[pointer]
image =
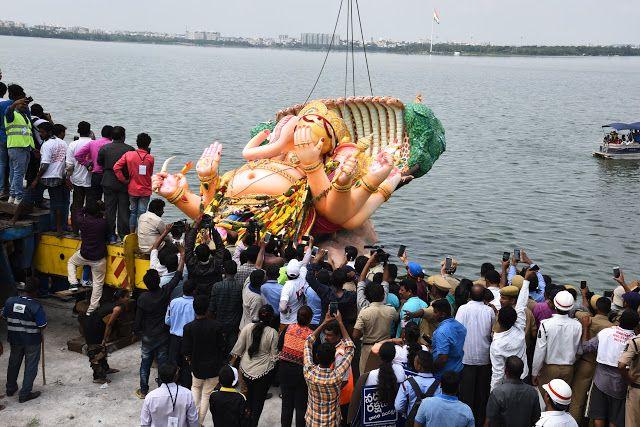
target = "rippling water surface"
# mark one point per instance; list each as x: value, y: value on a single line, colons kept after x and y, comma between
x: 517, y: 171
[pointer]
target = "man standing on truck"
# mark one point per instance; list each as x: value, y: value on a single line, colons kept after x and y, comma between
x: 94, y: 232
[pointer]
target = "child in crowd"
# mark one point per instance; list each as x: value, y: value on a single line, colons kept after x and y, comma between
x: 228, y: 405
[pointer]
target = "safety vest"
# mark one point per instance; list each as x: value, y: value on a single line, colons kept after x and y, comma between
x: 19, y: 132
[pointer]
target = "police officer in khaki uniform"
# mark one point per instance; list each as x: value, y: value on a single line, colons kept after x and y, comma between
x: 629, y: 366
x: 586, y: 365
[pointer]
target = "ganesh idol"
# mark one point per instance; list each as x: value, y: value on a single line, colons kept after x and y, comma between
x: 318, y: 168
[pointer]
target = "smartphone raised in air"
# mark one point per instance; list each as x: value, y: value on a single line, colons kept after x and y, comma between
x: 448, y: 263
x: 267, y: 236
x: 505, y: 256
x: 333, y: 308
x: 616, y: 272
x: 401, y: 250
x: 516, y: 254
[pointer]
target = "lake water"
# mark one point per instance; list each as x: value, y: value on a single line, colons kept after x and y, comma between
x: 517, y: 171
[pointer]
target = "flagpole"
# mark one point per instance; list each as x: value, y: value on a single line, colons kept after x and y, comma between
x: 431, y: 44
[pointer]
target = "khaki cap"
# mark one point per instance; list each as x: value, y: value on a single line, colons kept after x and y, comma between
x: 593, y: 300
x: 439, y: 282
x: 517, y: 281
x: 510, y: 291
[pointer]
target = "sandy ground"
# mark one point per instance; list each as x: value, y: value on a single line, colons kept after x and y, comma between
x: 70, y: 398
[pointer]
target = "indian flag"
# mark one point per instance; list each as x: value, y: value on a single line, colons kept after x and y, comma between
x: 436, y: 16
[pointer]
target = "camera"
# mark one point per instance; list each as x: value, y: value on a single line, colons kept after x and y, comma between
x: 206, y: 221
x: 381, y: 255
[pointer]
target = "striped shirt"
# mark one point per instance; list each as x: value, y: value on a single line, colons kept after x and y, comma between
x: 324, y: 385
x: 478, y: 318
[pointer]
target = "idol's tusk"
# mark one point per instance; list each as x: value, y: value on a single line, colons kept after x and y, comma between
x: 165, y: 165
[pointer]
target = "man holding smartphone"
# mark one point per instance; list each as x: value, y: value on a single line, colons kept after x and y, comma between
x: 521, y: 256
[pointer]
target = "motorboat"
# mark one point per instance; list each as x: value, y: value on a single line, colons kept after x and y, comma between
x: 620, y: 141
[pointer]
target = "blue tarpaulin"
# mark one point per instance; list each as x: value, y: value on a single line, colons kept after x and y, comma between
x: 623, y: 126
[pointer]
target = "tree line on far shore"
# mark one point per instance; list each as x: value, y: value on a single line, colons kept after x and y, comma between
x: 408, y: 48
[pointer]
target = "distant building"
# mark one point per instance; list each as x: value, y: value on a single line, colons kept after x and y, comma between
x: 318, y: 39
x: 80, y: 30
x: 12, y: 24
x: 203, y: 35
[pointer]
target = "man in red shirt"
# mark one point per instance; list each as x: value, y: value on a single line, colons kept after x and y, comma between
x: 135, y: 169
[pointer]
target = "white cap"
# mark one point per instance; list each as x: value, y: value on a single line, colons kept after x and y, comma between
x: 235, y: 376
x: 559, y: 391
x: 293, y: 268
x: 38, y: 122
x: 563, y: 301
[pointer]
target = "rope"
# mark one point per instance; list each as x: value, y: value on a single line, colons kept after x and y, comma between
x: 353, y: 61
x: 364, y: 48
x: 327, y: 55
x: 346, y: 58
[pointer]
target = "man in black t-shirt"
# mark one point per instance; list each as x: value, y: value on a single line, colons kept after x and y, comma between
x: 97, y: 330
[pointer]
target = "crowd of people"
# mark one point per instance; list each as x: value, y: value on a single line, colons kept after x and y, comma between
x: 33, y: 150
x: 358, y: 341
x: 614, y: 137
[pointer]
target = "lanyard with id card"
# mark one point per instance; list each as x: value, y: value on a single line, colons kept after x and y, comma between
x: 172, y: 421
x: 142, y: 168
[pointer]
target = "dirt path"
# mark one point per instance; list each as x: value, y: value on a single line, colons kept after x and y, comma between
x: 70, y: 398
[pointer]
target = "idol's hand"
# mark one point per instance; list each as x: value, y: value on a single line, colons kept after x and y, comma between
x: 309, y: 152
x: 283, y: 132
x: 168, y: 185
x: 381, y: 167
x: 346, y: 171
x: 207, y: 166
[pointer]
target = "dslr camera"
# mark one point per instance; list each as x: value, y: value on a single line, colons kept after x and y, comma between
x: 206, y: 221
x: 381, y: 255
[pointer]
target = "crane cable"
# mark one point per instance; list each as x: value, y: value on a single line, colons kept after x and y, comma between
x: 349, y: 44
x: 327, y: 55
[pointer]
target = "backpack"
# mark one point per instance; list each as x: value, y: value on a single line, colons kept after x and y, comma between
x: 411, y: 416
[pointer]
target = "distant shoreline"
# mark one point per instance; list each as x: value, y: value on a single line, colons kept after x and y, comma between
x: 447, y: 49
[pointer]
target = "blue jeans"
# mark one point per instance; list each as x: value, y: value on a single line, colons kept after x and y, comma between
x: 31, y: 354
x: 4, y: 164
x: 137, y: 206
x: 18, y: 161
x: 157, y: 347
x: 59, y: 202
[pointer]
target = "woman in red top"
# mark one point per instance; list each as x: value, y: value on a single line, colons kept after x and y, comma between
x: 292, y: 382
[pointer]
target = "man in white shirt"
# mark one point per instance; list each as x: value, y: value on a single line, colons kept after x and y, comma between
x: 478, y: 318
x: 170, y: 405
x: 492, y: 279
x: 557, y: 398
x: 252, y: 299
x: 51, y: 174
x: 151, y: 226
x: 293, y: 291
x: 510, y: 341
x: 78, y: 174
x: 609, y: 390
x: 557, y: 344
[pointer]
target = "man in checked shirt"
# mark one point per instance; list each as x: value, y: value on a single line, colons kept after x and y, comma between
x: 323, y: 381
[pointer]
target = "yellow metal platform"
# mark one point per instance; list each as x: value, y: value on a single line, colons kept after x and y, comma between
x: 125, y: 266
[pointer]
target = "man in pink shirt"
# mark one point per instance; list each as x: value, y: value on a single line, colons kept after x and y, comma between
x: 88, y: 156
x: 135, y: 169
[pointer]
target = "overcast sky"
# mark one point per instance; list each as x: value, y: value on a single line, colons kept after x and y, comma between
x: 495, y: 21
